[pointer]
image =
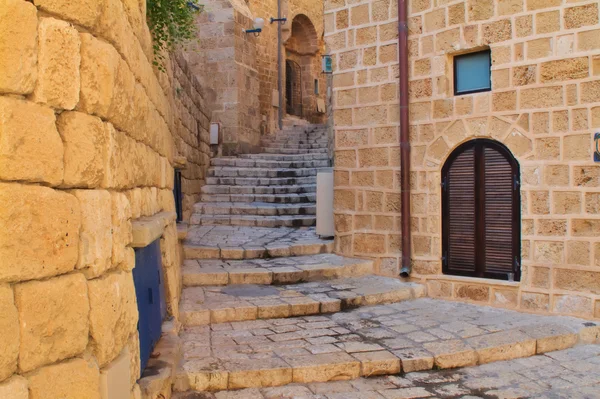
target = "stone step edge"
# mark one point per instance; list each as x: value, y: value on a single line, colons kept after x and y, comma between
x: 256, y: 252
x: 263, y: 275
x: 344, y: 366
x: 304, y: 305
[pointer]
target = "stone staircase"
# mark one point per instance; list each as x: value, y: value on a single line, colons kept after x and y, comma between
x: 252, y: 255
x: 266, y: 304
x: 272, y: 189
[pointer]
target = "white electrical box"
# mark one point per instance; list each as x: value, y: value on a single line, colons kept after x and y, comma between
x: 215, y: 129
x: 325, y: 226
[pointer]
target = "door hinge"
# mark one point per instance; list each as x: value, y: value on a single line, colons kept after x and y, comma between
x: 445, y: 258
x: 516, y: 182
x: 444, y: 183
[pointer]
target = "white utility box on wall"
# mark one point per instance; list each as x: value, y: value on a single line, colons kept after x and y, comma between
x: 325, y: 227
x: 215, y: 128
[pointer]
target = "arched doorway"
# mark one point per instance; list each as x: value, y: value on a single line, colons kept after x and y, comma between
x: 293, y: 88
x: 302, y: 68
x: 481, y: 211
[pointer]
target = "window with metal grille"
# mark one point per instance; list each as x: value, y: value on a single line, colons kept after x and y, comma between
x: 472, y: 72
x: 481, y: 212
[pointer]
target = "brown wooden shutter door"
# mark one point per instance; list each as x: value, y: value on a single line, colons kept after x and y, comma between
x: 481, y: 214
x: 460, y: 208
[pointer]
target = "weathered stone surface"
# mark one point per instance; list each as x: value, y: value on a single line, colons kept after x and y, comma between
x: 113, y: 314
x: 74, y: 379
x: 41, y: 232
x: 9, y: 333
x: 31, y: 148
x: 85, y: 149
x: 121, y: 227
x: 95, y: 240
x: 53, y: 315
x: 14, y: 388
x: 58, y: 59
x: 18, y: 46
x: 82, y: 12
x: 99, y: 61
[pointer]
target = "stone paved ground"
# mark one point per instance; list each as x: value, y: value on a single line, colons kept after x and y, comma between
x: 410, y: 336
x: 568, y: 374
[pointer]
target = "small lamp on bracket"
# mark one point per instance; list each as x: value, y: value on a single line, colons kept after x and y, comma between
x: 280, y: 20
x: 256, y: 26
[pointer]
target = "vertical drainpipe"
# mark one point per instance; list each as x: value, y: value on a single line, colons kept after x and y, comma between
x: 404, y: 138
x: 279, y: 74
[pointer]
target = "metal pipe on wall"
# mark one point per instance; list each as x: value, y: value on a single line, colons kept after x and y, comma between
x: 279, y: 74
x: 404, y: 137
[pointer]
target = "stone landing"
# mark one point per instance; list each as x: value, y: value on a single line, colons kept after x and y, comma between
x: 410, y: 336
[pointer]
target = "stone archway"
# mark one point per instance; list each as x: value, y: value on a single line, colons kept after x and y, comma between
x: 303, y: 63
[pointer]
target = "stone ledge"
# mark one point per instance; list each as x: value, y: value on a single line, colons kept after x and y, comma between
x: 471, y: 280
x: 157, y: 377
x: 149, y: 228
x: 182, y: 230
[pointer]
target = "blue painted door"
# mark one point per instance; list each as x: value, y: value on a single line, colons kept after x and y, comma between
x: 149, y: 288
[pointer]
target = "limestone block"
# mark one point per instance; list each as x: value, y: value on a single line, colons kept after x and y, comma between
x: 9, y: 335
x: 58, y: 64
x: 95, y: 239
x: 42, y: 227
x: 113, y: 314
x: 99, y: 61
x: 121, y: 227
x: 14, y: 388
x: 576, y: 17
x: 480, y: 9
x: 82, y: 12
x: 53, y: 315
x: 31, y: 148
x: 565, y: 69
x: 74, y: 379
x: 115, y: 378
x: 18, y: 46
x: 133, y: 346
x: 85, y: 149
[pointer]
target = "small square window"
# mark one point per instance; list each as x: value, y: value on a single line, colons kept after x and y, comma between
x: 472, y: 72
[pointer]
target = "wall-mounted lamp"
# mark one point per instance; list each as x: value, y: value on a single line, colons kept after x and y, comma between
x: 256, y: 27
x: 280, y: 20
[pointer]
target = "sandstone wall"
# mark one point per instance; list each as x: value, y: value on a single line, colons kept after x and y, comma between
x: 89, y: 133
x: 544, y: 106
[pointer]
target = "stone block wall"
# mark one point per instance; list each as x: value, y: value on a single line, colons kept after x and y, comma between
x: 544, y: 107
x: 89, y: 133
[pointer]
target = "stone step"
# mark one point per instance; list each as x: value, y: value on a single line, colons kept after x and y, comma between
x: 262, y: 181
x: 270, y: 198
x: 254, y: 208
x: 227, y: 171
x: 241, y: 242
x: 292, y: 151
x: 285, y: 157
x: 299, y: 146
x: 253, y: 220
x: 259, y: 190
x: 261, y: 163
x: 224, y: 304
x: 289, y: 270
x: 409, y: 336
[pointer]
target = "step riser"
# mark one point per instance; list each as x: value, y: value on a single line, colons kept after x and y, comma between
x: 250, y: 190
x: 200, y: 252
x: 238, y: 172
x: 251, y: 221
x: 216, y: 209
x: 249, y: 181
x: 293, y: 151
x: 284, y: 157
x: 246, y: 163
x: 286, y: 199
x: 194, y: 275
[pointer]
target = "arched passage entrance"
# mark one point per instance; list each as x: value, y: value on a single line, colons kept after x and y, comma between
x: 302, y: 73
x: 481, y: 211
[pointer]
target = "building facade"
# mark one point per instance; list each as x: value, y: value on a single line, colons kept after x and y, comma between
x: 537, y: 116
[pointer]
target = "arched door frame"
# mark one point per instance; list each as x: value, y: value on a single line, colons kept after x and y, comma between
x: 294, y: 101
x: 478, y: 145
